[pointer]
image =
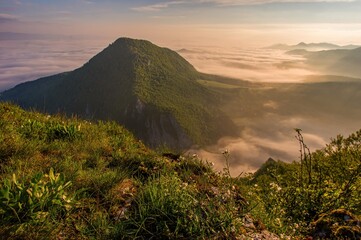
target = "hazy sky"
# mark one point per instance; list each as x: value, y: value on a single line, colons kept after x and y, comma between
x: 212, y: 22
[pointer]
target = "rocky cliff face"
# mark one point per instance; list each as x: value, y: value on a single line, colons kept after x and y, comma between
x: 159, y: 128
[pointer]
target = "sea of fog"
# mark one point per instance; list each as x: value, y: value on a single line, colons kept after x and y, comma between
x: 260, y: 138
x: 273, y: 134
x: 26, y: 60
x: 255, y: 64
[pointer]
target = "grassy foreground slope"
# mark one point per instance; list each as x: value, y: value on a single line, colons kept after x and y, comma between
x: 64, y: 178
x: 71, y: 179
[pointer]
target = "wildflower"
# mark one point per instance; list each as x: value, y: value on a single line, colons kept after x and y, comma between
x: 225, y: 152
x: 275, y: 186
x: 278, y: 221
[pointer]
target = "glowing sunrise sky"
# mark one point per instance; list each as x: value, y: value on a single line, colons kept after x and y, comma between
x: 235, y: 22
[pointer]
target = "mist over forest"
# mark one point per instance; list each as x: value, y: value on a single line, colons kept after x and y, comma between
x: 290, y: 90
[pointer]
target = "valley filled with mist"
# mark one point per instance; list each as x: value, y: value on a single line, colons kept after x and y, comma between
x: 276, y: 89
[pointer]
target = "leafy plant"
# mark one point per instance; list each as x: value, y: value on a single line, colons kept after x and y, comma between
x: 49, y: 130
x: 63, y: 132
x: 43, y: 197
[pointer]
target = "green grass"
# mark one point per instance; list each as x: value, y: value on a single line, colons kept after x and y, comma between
x: 68, y: 178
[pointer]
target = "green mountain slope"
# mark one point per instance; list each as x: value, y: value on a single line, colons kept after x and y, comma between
x: 151, y: 90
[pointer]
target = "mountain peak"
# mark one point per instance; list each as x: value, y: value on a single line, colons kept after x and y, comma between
x: 127, y: 40
x: 151, y: 90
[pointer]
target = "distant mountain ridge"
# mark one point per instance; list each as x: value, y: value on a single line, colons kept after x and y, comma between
x: 152, y: 91
x: 344, y: 62
x: 312, y: 46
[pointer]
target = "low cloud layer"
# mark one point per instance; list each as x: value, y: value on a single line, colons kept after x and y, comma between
x: 272, y: 136
x: 28, y: 60
x: 258, y: 65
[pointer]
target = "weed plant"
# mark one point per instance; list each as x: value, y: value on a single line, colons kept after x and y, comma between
x: 289, y: 198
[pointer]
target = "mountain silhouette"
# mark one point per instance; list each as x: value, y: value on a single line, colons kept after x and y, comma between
x: 340, y: 62
x: 152, y: 91
x: 312, y: 46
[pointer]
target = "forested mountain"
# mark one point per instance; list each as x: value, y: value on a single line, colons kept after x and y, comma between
x: 151, y: 90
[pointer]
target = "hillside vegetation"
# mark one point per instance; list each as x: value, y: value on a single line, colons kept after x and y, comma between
x: 72, y: 179
x: 318, y: 195
x: 64, y: 178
